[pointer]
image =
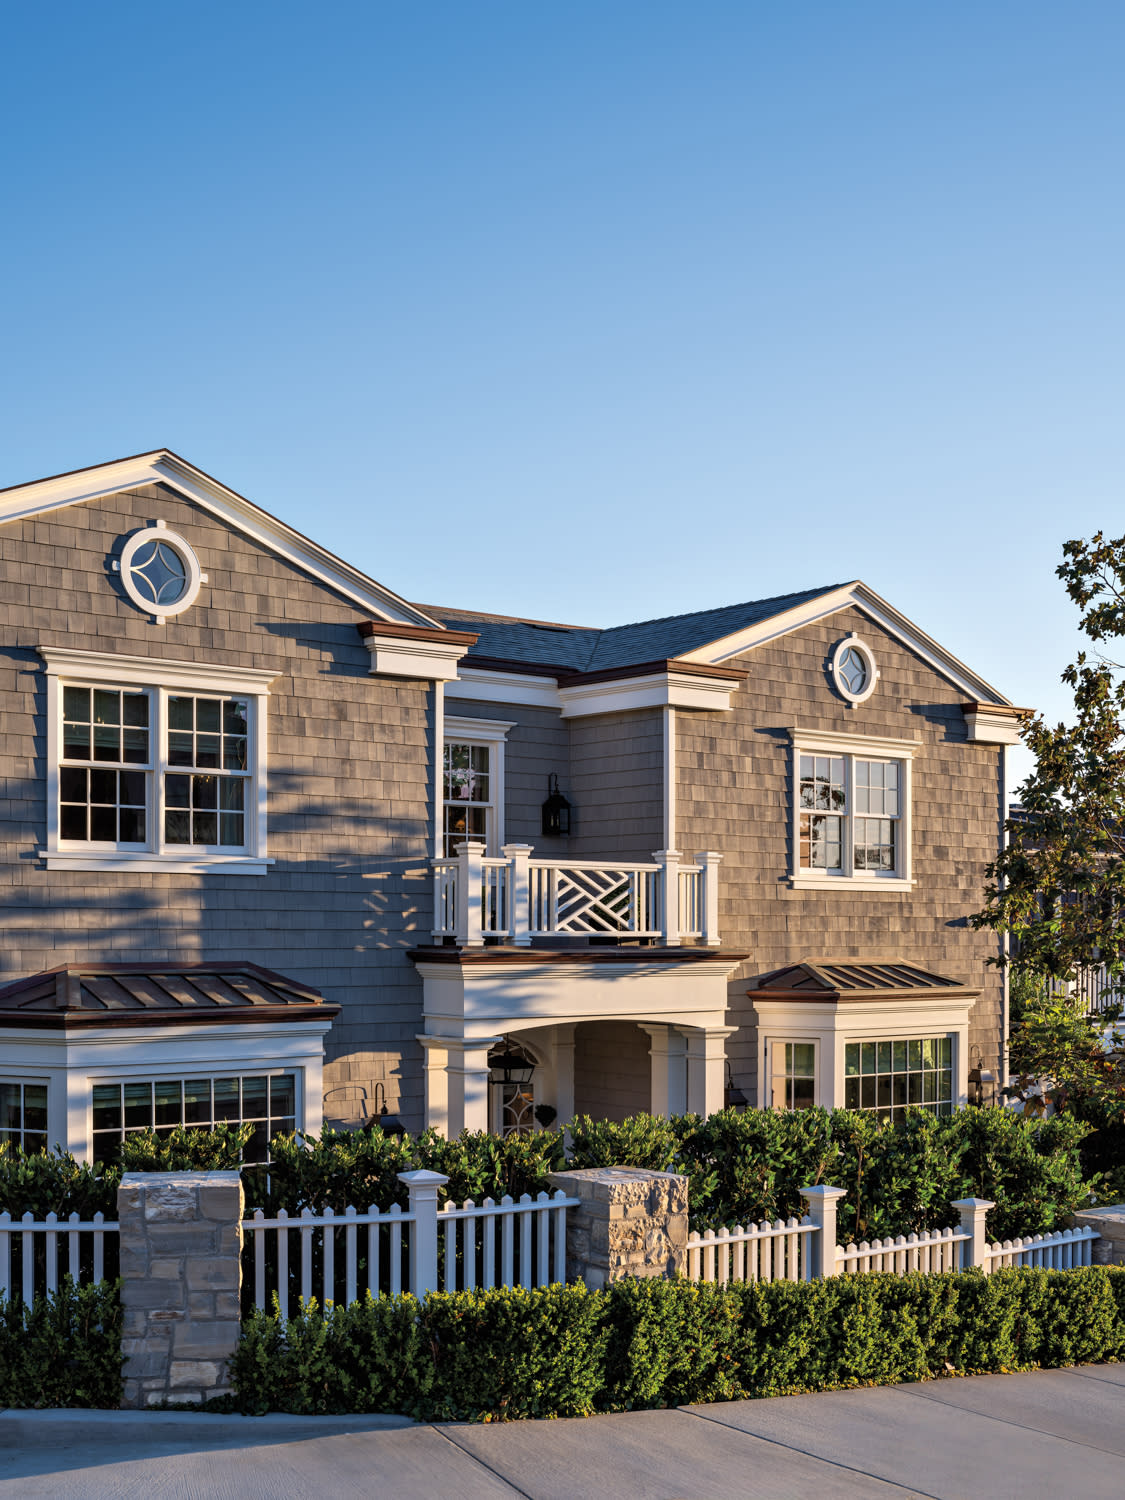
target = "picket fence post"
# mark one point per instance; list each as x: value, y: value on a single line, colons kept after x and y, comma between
x: 822, y: 1203
x: 423, y: 1189
x: 974, y: 1250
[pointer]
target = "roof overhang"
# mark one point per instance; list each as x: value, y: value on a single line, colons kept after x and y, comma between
x: 994, y: 723
x: 669, y: 682
x: 162, y: 466
x: 855, y: 595
x: 414, y: 651
x: 854, y: 981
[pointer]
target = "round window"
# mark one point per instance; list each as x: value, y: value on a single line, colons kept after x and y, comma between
x: 160, y: 572
x: 853, y: 670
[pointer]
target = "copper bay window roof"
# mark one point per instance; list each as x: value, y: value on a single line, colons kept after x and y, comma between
x: 148, y: 994
x: 847, y: 979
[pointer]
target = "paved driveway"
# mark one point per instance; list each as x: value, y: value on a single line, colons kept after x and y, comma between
x: 1024, y: 1436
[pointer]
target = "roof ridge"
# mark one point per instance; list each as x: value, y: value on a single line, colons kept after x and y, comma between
x: 719, y: 608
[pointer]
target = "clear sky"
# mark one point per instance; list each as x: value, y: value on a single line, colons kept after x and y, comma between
x: 593, y: 311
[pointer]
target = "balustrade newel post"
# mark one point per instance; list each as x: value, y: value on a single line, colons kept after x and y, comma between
x: 470, y: 894
x: 708, y: 863
x: 974, y: 1250
x: 669, y: 862
x: 423, y: 1189
x: 519, y: 894
x: 822, y: 1204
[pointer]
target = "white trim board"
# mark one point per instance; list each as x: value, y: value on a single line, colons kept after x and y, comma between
x: 851, y: 595
x: 164, y: 467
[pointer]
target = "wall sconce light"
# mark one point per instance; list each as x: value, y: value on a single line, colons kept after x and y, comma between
x: 979, y: 1078
x: 556, y: 811
x: 390, y: 1124
x: 733, y: 1097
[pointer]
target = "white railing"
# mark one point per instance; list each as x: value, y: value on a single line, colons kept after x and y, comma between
x: 341, y: 1257
x: 40, y: 1262
x: 932, y: 1250
x: 1064, y: 1251
x: 1097, y: 988
x: 519, y: 898
x: 482, y: 1238
x: 756, y: 1252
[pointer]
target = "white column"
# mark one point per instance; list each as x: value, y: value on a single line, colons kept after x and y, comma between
x: 973, y: 1212
x: 423, y: 1189
x: 563, y: 1048
x: 668, y: 1054
x: 519, y: 909
x: 706, y: 1067
x: 669, y: 777
x: 709, y: 863
x: 467, y: 1071
x: 470, y: 872
x: 439, y: 769
x: 435, y: 1081
x: 669, y: 860
x: 822, y: 1204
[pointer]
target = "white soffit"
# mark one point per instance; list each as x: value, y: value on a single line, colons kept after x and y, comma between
x: 164, y: 467
x: 660, y: 689
x: 850, y: 595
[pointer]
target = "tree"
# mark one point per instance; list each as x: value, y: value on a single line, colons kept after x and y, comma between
x: 1058, y: 888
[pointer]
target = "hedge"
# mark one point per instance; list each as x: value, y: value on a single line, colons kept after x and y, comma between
x: 565, y: 1351
x: 64, y: 1349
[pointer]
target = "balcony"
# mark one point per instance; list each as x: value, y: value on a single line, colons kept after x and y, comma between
x: 518, y: 900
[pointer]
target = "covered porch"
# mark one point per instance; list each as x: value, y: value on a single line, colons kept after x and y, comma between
x: 605, y: 1031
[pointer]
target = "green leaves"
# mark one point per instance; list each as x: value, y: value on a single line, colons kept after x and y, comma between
x: 64, y: 1349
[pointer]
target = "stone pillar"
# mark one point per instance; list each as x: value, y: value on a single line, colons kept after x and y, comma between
x: 1109, y: 1221
x: 668, y: 1054
x: 181, y: 1246
x: 629, y: 1222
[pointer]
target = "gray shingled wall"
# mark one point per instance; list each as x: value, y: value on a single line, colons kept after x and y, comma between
x: 350, y: 821
x: 734, y: 793
x: 617, y: 775
x: 612, y: 1070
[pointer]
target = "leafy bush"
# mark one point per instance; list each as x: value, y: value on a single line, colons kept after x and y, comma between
x: 899, y: 1178
x: 64, y: 1349
x: 186, y: 1148
x: 565, y: 1351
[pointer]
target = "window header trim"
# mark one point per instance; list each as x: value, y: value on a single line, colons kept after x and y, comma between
x: 155, y: 671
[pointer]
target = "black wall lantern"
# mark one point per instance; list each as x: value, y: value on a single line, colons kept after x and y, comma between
x: 979, y: 1078
x: 390, y: 1124
x: 556, y: 811
x: 733, y: 1097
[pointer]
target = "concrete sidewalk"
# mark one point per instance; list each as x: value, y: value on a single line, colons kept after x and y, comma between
x: 1051, y: 1432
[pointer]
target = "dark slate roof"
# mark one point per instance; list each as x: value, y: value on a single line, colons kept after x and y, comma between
x: 158, y: 995
x: 822, y: 979
x: 578, y: 648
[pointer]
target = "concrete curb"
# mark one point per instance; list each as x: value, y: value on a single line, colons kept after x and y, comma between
x: 19, y: 1428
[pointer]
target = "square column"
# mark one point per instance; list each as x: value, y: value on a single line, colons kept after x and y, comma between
x: 706, y: 1067
x: 467, y: 1075
x: 435, y: 1083
x: 668, y: 1053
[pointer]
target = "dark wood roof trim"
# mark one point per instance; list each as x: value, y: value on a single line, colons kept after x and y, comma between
x: 507, y: 955
x: 650, y: 668
x: 80, y: 1019
x: 516, y: 668
x: 464, y: 638
x: 1002, y: 710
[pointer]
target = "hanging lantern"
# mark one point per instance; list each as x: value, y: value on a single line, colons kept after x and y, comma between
x: 556, y: 811
x: 733, y: 1097
x: 513, y: 1064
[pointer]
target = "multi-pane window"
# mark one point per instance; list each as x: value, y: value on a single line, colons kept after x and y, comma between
x: 268, y: 1101
x: 205, y: 803
x: 889, y: 1077
x: 23, y: 1115
x: 467, y: 795
x: 145, y: 769
x: 793, y: 1085
x: 106, y: 766
x: 850, y: 815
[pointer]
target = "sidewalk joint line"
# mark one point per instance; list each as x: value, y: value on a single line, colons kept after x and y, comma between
x: 910, y: 1490
x: 503, y: 1478
x: 1007, y: 1421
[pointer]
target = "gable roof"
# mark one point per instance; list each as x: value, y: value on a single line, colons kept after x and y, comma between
x: 162, y: 466
x: 710, y: 637
x: 153, y: 994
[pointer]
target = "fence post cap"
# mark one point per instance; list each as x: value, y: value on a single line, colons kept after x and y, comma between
x: 422, y: 1178
x: 823, y: 1192
x: 972, y: 1203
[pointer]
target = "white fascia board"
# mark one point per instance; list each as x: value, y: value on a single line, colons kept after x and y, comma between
x: 662, y: 689
x: 992, y: 729
x: 459, y: 727
x: 859, y: 596
x: 393, y: 656
x: 144, y: 671
x: 141, y: 1050
x: 162, y: 467
x: 479, y: 685
x: 894, y: 1017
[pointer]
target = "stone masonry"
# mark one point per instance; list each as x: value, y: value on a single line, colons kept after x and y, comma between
x: 630, y: 1222
x: 181, y: 1243
x: 1109, y: 1221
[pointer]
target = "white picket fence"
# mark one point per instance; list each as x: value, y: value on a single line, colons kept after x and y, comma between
x: 1064, y: 1251
x: 41, y: 1261
x: 341, y: 1257
x: 932, y: 1250
x: 754, y: 1252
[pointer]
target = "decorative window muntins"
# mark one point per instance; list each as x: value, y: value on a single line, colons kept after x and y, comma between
x: 159, y: 572
x: 23, y: 1114
x: 889, y: 1077
x: 853, y: 670
x: 793, y: 1075
x: 468, y: 802
x: 851, y: 809
x: 145, y: 773
x: 268, y: 1101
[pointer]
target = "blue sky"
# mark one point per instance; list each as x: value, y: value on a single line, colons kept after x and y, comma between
x: 593, y: 312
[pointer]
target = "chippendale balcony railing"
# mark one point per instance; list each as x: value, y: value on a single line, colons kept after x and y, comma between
x: 517, y: 898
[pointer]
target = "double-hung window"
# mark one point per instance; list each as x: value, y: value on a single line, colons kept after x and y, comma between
x: 155, y: 765
x: 472, y: 786
x: 851, y: 800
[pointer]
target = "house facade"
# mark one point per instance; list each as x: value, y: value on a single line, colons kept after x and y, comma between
x: 273, y: 830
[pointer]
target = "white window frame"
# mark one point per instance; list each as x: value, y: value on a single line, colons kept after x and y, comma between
x: 161, y: 679
x: 492, y: 734
x: 773, y: 1044
x: 851, y: 747
x: 861, y: 648
x: 181, y: 1073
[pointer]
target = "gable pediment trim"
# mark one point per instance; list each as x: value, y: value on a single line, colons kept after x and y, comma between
x: 164, y: 467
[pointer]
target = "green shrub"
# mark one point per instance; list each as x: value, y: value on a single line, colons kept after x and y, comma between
x: 564, y: 1351
x: 64, y: 1349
